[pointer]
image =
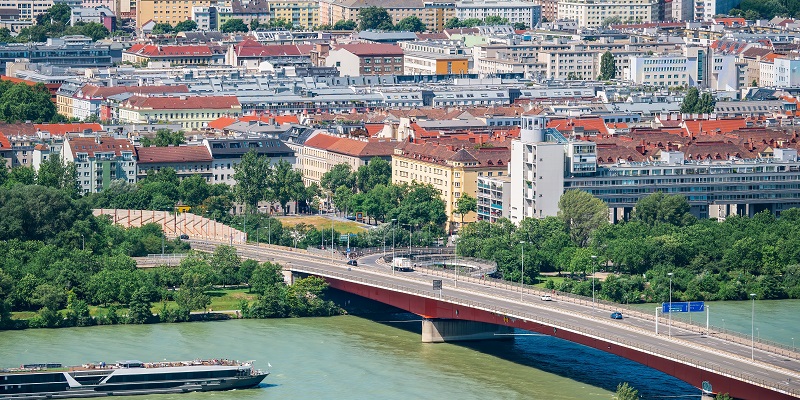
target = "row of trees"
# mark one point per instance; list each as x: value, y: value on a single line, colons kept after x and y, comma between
x: 55, y: 23
x: 20, y: 102
x: 491, y: 20
x: 694, y: 103
x: 754, y: 9
x: 710, y: 260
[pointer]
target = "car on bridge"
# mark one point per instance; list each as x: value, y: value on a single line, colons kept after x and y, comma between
x: 352, y: 262
x: 616, y: 315
x: 184, y: 237
x: 546, y: 297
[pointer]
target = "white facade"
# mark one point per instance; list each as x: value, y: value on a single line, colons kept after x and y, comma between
x: 87, y: 15
x: 592, y: 13
x: 766, y: 73
x: 787, y: 72
x: 28, y: 9
x: 525, y: 12
x: 536, y: 167
x: 682, y: 10
x: 573, y: 65
x: 346, y: 62
x: 663, y: 71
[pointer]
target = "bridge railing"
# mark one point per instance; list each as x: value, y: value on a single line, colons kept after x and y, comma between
x: 602, y: 335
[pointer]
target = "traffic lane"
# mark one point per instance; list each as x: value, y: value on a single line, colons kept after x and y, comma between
x: 498, y: 299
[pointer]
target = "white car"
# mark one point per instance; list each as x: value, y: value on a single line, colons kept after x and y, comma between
x: 546, y: 297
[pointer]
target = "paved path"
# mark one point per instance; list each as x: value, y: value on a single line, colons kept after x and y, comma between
x: 773, y: 367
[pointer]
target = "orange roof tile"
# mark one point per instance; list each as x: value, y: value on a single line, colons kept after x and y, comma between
x: 172, y: 154
x: 695, y: 127
x: 4, y: 143
x: 63, y: 129
x: 588, y: 124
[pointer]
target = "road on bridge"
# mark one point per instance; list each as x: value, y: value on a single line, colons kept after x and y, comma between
x: 777, y: 370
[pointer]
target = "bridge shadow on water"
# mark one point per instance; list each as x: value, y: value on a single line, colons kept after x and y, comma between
x: 545, y: 353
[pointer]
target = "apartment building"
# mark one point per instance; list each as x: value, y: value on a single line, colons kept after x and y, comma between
x: 593, y: 13
x: 494, y: 197
x: 166, y: 11
x: 74, y: 51
x: 186, y: 161
x: 523, y: 12
x: 435, y: 64
x: 434, y: 14
x: 784, y: 72
x: 191, y: 112
x: 322, y: 152
x: 86, y: 101
x: 226, y: 153
x: 302, y: 13
x: 28, y: 9
x: 196, y: 54
x: 569, y: 64
x: 366, y: 59
x: 100, y: 160
x: 663, y: 70
x: 453, y: 171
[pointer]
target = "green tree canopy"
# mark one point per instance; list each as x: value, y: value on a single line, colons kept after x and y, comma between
x: 285, y: 184
x: 21, y: 102
x: 163, y: 138
x: 186, y: 26
x: 374, y: 18
x: 495, y: 20
x: 465, y: 205
x: 410, y: 24
x: 582, y: 213
x: 608, y: 66
x: 251, y: 176
x: 339, y: 175
x: 162, y: 28
x: 661, y: 208
x: 345, y: 25
x: 626, y: 392
x: 234, y: 25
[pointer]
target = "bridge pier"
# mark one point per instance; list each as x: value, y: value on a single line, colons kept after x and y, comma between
x: 288, y: 276
x: 456, y: 330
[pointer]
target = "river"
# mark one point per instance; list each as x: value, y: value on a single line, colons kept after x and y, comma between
x: 350, y: 357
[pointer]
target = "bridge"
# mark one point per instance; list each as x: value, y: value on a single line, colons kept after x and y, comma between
x: 470, y: 308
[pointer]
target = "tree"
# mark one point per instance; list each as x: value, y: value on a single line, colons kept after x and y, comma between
x: 94, y: 30
x: 693, y: 103
x: 55, y: 174
x: 520, y: 26
x: 162, y: 28
x: 284, y: 184
x: 251, y: 175
x: 582, y: 213
x: 234, y: 25
x: 626, y: 392
x: 465, y: 205
x: 265, y: 278
x: 345, y: 25
x: 339, y: 175
x: 139, y: 307
x: 452, y: 23
x: 194, y: 190
x: 227, y: 262
x: 420, y: 205
x: 661, y: 208
x: 59, y: 13
x: 376, y: 172
x: 608, y: 21
x: 163, y: 138
x: 374, y: 18
x: 410, y: 24
x: 186, y: 26
x: 20, y: 102
x: 706, y: 104
x: 608, y: 67
x: 495, y: 20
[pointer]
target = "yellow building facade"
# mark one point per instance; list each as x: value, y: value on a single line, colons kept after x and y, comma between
x: 453, y: 172
x: 433, y: 14
x: 166, y: 11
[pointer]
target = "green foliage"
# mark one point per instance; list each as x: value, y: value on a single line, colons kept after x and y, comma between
x: 608, y: 21
x: 186, y: 26
x: 374, y: 18
x: 345, y: 25
x: 660, y: 208
x: 608, y: 67
x: 234, y: 25
x: 37, y: 212
x: 473, y: 22
x: 164, y: 138
x: 752, y: 9
x: 339, y: 175
x: 582, y: 213
x: 21, y: 102
x: 495, y: 20
x: 376, y: 172
x: 55, y: 174
x: 284, y: 184
x: 693, y: 103
x: 139, y: 307
x: 626, y: 392
x: 465, y: 205
x: 410, y: 24
x: 162, y: 28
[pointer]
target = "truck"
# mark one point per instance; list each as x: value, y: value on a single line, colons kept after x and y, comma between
x: 402, y: 264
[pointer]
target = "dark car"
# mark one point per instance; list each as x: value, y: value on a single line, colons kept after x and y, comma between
x: 184, y: 237
x: 353, y: 263
x: 616, y: 315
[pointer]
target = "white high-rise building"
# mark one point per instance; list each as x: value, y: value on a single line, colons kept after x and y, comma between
x: 594, y: 13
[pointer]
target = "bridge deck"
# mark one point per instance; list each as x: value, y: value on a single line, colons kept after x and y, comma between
x: 723, y: 355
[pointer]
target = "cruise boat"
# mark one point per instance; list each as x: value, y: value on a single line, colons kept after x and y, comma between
x: 54, y: 381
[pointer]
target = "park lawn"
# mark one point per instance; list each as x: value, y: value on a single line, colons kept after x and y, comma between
x: 322, y: 223
x: 543, y: 280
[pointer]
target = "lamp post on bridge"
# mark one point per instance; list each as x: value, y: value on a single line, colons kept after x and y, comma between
x: 522, y: 272
x: 752, y: 327
x: 594, y: 261
x: 670, y: 303
x: 392, y: 264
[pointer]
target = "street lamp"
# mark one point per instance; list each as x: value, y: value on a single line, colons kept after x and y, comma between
x: 83, y: 242
x: 752, y: 328
x: 522, y: 274
x: 269, y: 230
x: 594, y: 261
x: 670, y: 303
x: 392, y: 265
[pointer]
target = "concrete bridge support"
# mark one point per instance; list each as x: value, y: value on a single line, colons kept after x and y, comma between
x: 455, y: 330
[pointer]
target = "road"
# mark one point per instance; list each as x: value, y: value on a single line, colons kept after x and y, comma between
x: 772, y: 367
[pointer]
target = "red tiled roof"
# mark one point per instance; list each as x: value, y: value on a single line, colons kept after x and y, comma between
x: 4, y: 144
x: 371, y: 49
x: 224, y: 122
x: 373, y: 129
x: 92, y: 91
x: 251, y: 48
x: 351, y: 147
x: 588, y: 124
x: 151, y: 50
x: 321, y: 141
x: 221, y: 123
x: 695, y: 127
x: 63, y: 129
x: 88, y: 145
x: 183, y: 103
x: 173, y: 154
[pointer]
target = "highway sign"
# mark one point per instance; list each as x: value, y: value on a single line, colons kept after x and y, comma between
x: 343, y: 237
x: 697, y: 306
x: 683, y: 306
x: 437, y: 284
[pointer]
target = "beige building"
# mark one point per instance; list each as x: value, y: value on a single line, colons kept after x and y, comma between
x: 191, y: 112
x: 166, y: 11
x: 452, y: 171
x: 321, y: 152
x: 434, y: 14
x: 592, y: 13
